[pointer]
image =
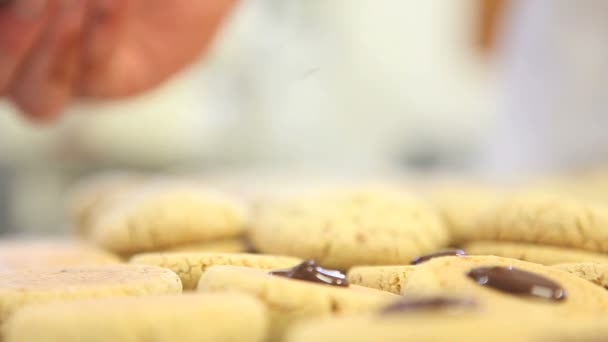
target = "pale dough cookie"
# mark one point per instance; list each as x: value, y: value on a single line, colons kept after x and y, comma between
x: 549, y: 219
x: 227, y: 317
x: 43, y: 285
x: 190, y: 266
x: 430, y: 327
x: 164, y: 214
x: 370, y: 226
x: 540, y: 254
x: 291, y: 300
x: 461, y: 207
x: 18, y: 254
x: 87, y: 198
x: 449, y: 276
x: 596, y: 273
x: 233, y: 245
x: 385, y: 278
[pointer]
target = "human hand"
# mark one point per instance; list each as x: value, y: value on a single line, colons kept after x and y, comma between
x: 52, y: 51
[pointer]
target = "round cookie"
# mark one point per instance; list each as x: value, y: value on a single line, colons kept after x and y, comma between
x: 340, y: 229
x: 596, y: 273
x: 190, y: 266
x: 385, y: 278
x: 461, y: 207
x: 290, y: 300
x: 19, y: 254
x: 540, y: 254
x: 432, y: 327
x: 548, y: 219
x: 44, y: 285
x: 186, y: 318
x: 234, y: 245
x: 456, y: 276
x: 231, y: 245
x: 164, y: 214
x: 88, y: 197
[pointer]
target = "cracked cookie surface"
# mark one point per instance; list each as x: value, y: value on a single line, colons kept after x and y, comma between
x: 541, y: 254
x: 168, y: 214
x: 190, y: 266
x: 594, y: 272
x: 343, y: 228
x: 548, y: 219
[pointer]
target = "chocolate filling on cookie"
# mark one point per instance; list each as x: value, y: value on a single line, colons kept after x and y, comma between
x: 512, y: 280
x: 431, y: 303
x: 446, y: 252
x: 310, y: 271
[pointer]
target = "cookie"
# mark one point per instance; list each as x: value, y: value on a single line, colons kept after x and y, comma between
x: 189, y: 317
x: 231, y: 245
x: 433, y: 327
x: 340, y: 229
x: 164, y: 214
x: 507, y: 282
x: 234, y: 245
x: 43, y: 285
x: 392, y: 278
x: 190, y: 266
x: 548, y: 219
x: 540, y: 254
x: 290, y: 300
x: 89, y: 196
x: 594, y: 272
x: 385, y: 278
x: 19, y: 254
x: 462, y: 206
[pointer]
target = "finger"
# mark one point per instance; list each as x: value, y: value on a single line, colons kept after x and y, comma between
x: 45, y: 82
x: 158, y: 40
x: 105, y: 21
x: 21, y: 24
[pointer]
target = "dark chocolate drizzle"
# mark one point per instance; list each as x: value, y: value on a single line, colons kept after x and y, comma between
x: 310, y: 271
x: 443, y: 253
x: 518, y: 282
x: 431, y: 303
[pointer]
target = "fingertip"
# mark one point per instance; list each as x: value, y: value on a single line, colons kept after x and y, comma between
x: 40, y: 112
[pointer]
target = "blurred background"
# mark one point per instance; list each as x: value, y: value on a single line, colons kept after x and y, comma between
x: 355, y: 88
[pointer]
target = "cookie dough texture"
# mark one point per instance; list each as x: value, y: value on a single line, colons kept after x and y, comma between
x: 430, y: 327
x: 549, y: 219
x: 19, y: 254
x: 89, y: 197
x: 461, y: 206
x: 291, y: 300
x: 230, y: 245
x: 594, y: 272
x: 44, y: 285
x: 168, y: 214
x: 448, y: 276
x: 540, y: 254
x: 369, y: 226
x: 385, y: 278
x: 229, y: 317
x: 190, y: 266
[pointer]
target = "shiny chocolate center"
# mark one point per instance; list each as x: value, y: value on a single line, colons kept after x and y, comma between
x: 310, y: 271
x: 518, y: 282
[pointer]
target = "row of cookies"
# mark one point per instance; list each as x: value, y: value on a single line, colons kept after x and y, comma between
x: 128, y: 214
x: 338, y: 228
x: 76, y: 298
x: 440, y: 297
